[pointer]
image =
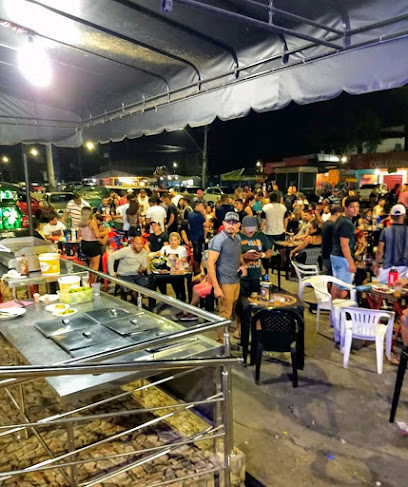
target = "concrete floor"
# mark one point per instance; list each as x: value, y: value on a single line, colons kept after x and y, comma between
x: 332, y: 430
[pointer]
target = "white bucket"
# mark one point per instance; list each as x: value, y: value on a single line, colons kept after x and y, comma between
x: 49, y: 264
x: 68, y: 282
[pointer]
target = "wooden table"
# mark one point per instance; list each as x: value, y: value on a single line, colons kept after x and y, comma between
x: 252, y: 304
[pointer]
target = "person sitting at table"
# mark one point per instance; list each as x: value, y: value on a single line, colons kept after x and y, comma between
x: 393, y: 246
x: 379, y: 209
x: 54, y: 228
x: 132, y: 264
x: 360, y: 249
x: 89, y: 232
x: 36, y: 229
x: 156, y: 240
x: 304, y: 228
x: 202, y: 288
x: 313, y: 239
x: 174, y: 252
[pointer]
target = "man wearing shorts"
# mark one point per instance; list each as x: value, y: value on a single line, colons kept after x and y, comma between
x: 225, y: 264
x: 342, y: 256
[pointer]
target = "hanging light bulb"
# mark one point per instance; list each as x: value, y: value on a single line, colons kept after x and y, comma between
x: 35, y: 64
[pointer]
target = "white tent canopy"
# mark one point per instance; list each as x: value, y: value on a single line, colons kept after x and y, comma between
x: 124, y: 68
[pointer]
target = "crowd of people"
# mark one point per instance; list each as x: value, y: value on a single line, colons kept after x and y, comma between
x: 237, y: 236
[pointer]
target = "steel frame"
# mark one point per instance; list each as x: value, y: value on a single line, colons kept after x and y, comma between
x: 69, y: 419
x: 18, y: 376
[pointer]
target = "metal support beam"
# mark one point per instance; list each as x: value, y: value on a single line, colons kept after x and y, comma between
x: 118, y: 35
x: 259, y: 23
x: 205, y: 158
x: 33, y: 371
x: 182, y: 27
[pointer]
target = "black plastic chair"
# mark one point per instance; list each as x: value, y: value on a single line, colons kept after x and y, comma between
x: 281, y: 330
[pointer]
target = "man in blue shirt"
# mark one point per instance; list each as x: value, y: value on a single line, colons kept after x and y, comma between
x: 222, y: 210
x: 197, y: 222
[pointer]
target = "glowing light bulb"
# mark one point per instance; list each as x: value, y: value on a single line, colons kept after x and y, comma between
x: 35, y: 64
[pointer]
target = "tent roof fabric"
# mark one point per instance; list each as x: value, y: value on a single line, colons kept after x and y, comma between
x: 124, y: 68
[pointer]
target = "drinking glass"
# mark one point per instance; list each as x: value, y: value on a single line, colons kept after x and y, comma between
x: 96, y: 289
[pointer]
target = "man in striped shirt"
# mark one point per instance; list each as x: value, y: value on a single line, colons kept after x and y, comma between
x: 73, y: 210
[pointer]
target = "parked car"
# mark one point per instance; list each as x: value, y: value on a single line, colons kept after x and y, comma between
x: 22, y: 204
x: 366, y: 189
x: 93, y: 194
x: 55, y: 202
x: 214, y: 193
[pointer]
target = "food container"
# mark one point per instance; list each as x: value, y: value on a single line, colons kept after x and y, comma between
x: 69, y: 282
x: 78, y: 297
x: 49, y: 264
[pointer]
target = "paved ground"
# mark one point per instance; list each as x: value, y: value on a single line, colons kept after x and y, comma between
x: 332, y: 430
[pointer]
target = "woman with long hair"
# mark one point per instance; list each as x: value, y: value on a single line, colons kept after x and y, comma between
x: 313, y: 239
x: 90, y: 233
x: 132, y: 214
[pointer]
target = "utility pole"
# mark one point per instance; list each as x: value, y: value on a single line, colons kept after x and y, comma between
x: 205, y: 158
x: 50, y: 167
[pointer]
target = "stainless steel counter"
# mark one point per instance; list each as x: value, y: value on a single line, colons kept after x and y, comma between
x: 39, y: 350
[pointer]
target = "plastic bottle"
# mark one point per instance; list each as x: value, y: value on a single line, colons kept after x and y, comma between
x: 23, y: 266
x: 73, y: 235
x: 139, y: 301
x: 378, y: 221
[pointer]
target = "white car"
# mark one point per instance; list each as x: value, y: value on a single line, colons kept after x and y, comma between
x: 214, y: 193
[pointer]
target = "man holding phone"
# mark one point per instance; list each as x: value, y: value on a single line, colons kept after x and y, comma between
x: 255, y: 246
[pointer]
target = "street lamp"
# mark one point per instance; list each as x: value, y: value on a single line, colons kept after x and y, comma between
x: 34, y: 152
x: 90, y: 145
x: 5, y: 159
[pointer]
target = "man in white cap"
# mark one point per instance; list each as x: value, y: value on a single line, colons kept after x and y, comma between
x: 225, y: 266
x: 393, y: 246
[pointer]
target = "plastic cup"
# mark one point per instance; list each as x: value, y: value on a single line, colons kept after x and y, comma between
x: 96, y: 289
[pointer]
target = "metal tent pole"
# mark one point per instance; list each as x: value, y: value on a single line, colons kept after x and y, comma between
x: 50, y: 167
x: 205, y: 158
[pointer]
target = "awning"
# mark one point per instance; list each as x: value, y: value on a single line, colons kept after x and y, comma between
x: 124, y: 68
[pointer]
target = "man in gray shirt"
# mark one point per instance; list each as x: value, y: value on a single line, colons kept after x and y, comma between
x: 393, y: 246
x: 132, y: 263
x: 225, y: 266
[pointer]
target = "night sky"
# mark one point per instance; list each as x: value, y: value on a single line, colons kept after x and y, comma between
x: 268, y: 137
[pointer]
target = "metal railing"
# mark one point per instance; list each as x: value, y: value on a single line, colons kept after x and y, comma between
x: 219, y: 430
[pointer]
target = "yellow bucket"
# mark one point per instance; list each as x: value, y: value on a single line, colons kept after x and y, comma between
x: 68, y: 282
x: 49, y: 264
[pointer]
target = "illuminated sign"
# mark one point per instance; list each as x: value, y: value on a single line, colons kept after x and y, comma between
x: 6, y: 194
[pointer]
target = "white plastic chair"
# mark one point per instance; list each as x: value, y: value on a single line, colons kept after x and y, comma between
x: 325, y: 301
x: 364, y: 324
x: 303, y: 273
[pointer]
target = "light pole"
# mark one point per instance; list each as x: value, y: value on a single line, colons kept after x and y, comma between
x: 204, y: 154
x: 259, y: 167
